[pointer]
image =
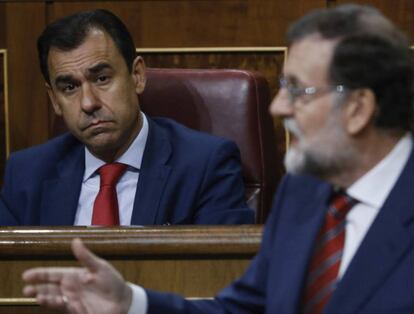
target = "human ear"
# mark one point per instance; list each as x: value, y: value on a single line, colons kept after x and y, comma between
x: 360, y: 110
x: 138, y: 74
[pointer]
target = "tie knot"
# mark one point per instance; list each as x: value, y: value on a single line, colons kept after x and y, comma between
x: 340, y: 205
x: 110, y: 173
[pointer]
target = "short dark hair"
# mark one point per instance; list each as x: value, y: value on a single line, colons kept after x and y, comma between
x: 70, y: 32
x: 371, y: 53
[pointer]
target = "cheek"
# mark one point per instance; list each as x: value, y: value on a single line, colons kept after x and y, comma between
x: 67, y: 114
x: 120, y: 96
x: 305, y: 127
x: 71, y: 114
x: 126, y: 109
x: 311, y: 122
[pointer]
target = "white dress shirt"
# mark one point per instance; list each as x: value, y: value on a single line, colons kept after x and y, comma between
x: 126, y: 186
x: 371, y: 190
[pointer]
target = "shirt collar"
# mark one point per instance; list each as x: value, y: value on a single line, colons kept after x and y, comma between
x: 387, y: 171
x: 132, y: 157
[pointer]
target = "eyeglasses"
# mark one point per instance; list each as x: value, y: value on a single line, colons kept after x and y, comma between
x: 295, y: 92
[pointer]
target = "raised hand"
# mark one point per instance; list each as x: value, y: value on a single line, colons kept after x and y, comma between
x: 94, y: 288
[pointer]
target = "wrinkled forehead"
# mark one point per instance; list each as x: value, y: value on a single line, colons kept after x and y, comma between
x: 98, y: 47
x: 309, y: 60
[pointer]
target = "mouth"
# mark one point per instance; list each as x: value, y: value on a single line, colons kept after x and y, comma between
x: 96, y: 124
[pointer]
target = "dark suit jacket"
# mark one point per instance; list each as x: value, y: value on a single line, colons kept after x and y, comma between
x: 379, y: 279
x: 186, y: 177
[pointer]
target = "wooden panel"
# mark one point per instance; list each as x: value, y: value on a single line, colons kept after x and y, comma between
x: 399, y: 11
x: 2, y: 25
x: 196, y: 262
x: 27, y: 98
x: 3, y: 145
x: 4, y: 125
x: 201, y: 23
x: 24, y: 309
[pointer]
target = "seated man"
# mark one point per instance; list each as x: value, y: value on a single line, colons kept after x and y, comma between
x: 147, y: 171
x: 340, y: 236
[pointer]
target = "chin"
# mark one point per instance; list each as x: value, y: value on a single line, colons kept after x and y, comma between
x: 300, y: 163
x: 102, y: 141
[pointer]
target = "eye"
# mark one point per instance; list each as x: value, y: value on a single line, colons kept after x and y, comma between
x: 68, y: 88
x: 102, y: 79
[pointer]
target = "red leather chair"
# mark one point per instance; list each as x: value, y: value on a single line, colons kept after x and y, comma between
x: 228, y: 103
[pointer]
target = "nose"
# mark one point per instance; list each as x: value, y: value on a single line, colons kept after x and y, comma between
x: 281, y: 106
x: 89, y: 99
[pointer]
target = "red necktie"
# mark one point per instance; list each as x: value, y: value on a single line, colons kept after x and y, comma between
x: 105, y: 208
x: 326, y: 259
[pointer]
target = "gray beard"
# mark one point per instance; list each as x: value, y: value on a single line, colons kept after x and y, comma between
x: 316, y: 164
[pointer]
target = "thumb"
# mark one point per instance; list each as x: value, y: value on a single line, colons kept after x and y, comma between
x: 85, y: 257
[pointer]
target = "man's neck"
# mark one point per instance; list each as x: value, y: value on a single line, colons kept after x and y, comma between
x: 370, y: 149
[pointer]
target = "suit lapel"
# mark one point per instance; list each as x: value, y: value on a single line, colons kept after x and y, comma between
x: 384, y: 246
x: 60, y: 193
x: 153, y: 176
x: 297, y: 247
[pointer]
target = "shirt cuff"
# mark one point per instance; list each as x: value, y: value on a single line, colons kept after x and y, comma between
x: 139, y: 303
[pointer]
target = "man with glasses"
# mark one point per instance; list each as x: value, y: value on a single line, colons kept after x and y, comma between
x: 340, y: 236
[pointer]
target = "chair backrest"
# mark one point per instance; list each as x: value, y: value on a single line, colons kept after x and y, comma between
x: 228, y: 103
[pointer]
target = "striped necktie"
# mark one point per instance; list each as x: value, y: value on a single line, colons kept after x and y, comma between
x: 326, y: 259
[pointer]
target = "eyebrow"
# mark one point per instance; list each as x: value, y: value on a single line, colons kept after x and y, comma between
x: 296, y: 80
x: 99, y: 68
x: 63, y: 79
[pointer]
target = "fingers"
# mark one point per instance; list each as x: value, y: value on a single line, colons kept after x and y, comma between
x: 46, y: 294
x: 57, y: 302
x: 55, y: 274
x: 85, y: 256
x: 44, y: 289
x: 43, y: 274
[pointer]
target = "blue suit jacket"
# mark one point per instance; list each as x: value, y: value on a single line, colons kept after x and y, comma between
x: 379, y: 279
x: 186, y: 177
